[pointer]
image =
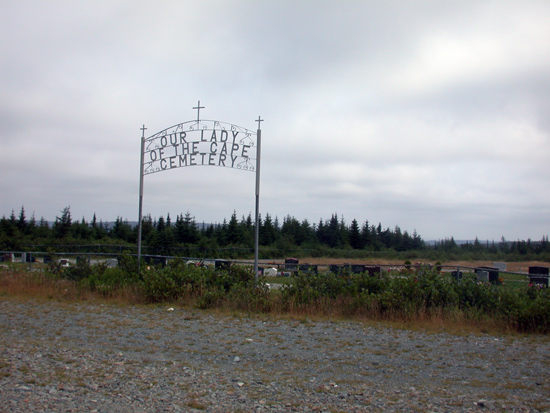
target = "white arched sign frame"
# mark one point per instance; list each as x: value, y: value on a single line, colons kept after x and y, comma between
x: 202, y: 143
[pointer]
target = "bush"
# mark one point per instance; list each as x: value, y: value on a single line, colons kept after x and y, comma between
x: 534, y: 316
x: 309, y: 288
x: 81, y: 270
x: 473, y: 294
x: 250, y: 298
x: 107, y: 281
x: 159, y: 286
x: 408, y: 294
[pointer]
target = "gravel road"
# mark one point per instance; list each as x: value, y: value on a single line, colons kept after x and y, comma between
x: 105, y: 358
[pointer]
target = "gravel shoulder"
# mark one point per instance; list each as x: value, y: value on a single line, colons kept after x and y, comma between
x: 57, y: 356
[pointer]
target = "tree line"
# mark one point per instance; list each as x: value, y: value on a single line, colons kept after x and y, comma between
x: 164, y: 235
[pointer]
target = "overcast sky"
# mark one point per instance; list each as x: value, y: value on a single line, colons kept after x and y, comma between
x: 430, y: 115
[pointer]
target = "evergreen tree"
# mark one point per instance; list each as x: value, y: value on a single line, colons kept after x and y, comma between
x: 186, y: 231
x: 82, y: 230
x: 355, y: 239
x: 161, y: 224
x: 234, y: 233
x: 321, y: 232
x: 307, y: 233
x: 12, y: 225
x: 221, y: 233
x: 332, y: 236
x: 544, y: 244
x: 62, y: 225
x: 22, y: 221
x: 247, y: 230
x: 291, y: 230
x: 31, y: 227
x: 477, y: 245
x: 343, y: 233
x: 43, y: 230
x: 385, y: 236
x: 417, y: 241
x: 267, y: 232
x: 8, y: 226
x: 210, y: 231
x: 122, y: 230
x: 163, y: 239
x: 406, y: 242
x: 396, y: 239
x: 148, y: 230
x: 367, y: 240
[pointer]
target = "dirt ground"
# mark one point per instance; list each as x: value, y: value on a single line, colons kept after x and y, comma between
x: 520, y: 266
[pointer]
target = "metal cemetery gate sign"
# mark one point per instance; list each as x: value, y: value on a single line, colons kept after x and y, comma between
x: 201, y: 143
x: 205, y: 142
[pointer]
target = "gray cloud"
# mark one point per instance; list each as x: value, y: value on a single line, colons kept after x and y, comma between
x: 428, y: 115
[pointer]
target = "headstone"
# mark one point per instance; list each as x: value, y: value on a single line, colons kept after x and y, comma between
x: 155, y: 260
x: 111, y: 263
x: 482, y: 276
x: 357, y: 268
x: 542, y: 280
x: 493, y: 274
x: 291, y: 263
x: 539, y: 270
x: 82, y: 259
x: 373, y: 271
x: 539, y: 276
x: 501, y: 266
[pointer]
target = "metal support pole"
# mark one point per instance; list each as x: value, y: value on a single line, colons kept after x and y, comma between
x: 257, y: 229
x: 141, y: 194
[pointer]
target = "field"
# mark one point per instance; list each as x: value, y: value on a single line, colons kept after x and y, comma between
x: 520, y: 266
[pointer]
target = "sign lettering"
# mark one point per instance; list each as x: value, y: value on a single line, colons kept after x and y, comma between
x: 204, y: 142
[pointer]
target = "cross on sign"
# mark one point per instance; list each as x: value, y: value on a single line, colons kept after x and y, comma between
x: 259, y: 120
x: 198, y: 107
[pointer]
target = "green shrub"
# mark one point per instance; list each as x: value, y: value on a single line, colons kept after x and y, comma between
x: 535, y: 314
x: 210, y: 298
x: 473, y: 294
x: 404, y: 294
x: 107, y: 281
x: 249, y: 297
x: 159, y: 286
x: 80, y: 271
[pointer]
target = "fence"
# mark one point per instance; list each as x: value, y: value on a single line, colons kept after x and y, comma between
x: 535, y: 275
